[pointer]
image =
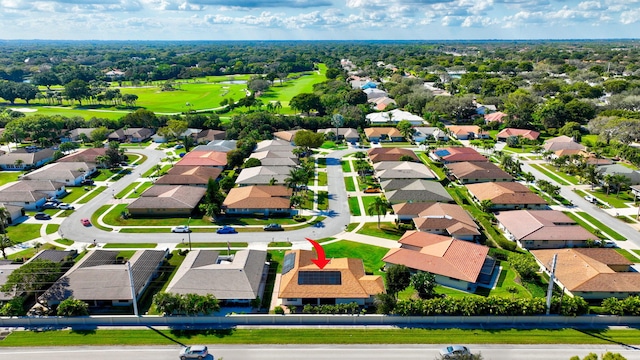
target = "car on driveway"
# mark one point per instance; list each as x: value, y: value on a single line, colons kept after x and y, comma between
x: 50, y: 205
x: 180, y: 229
x: 65, y: 206
x: 42, y: 216
x: 85, y: 222
x: 226, y: 230
x: 273, y: 227
x: 454, y: 351
x: 606, y: 243
x: 194, y: 352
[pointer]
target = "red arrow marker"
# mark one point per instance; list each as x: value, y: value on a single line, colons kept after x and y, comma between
x: 321, y: 261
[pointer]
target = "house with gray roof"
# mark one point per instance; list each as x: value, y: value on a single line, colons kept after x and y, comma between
x: 217, y: 145
x: 274, y: 145
x: 422, y: 133
x: 29, y: 200
x: 67, y: 173
x: 101, y: 278
x: 15, y: 213
x: 167, y: 200
x: 23, y: 160
x: 208, y: 135
x: 386, y: 170
x: 350, y: 135
x: 76, y: 134
x: 132, y: 135
x: 52, y: 189
x: 618, y: 169
x: 235, y: 279
x: 263, y: 175
x: 419, y: 191
x: 276, y: 158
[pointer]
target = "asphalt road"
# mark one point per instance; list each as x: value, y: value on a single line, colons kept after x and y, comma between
x: 336, y: 218
x: 318, y: 352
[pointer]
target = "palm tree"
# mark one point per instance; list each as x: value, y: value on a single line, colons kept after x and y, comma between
x: 591, y: 175
x: 5, y: 242
x: 619, y: 181
x: 379, y: 206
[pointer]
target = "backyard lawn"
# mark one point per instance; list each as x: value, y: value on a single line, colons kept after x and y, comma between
x: 370, y: 255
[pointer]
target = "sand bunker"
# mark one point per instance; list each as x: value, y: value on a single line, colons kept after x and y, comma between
x: 24, y: 110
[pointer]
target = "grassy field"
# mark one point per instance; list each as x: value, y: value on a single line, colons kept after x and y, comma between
x: 346, y: 166
x: 289, y: 89
x: 319, y: 336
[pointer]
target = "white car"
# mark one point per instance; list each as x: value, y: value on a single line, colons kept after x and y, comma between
x: 180, y: 229
x: 65, y: 206
x: 454, y: 351
x: 194, y: 352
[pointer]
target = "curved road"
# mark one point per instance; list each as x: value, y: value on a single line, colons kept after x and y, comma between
x: 336, y: 218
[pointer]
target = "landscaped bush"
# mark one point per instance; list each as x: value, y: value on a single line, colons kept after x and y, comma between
x: 524, y: 264
x: 299, y: 218
x: 278, y: 310
x: 628, y: 306
x: 350, y: 308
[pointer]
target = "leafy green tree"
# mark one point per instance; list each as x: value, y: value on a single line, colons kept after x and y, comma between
x: 425, y: 284
x: 406, y: 129
x: 76, y: 90
x: 379, y: 206
x: 308, y: 139
x: 398, y: 278
x: 485, y: 205
x: 306, y: 102
x: 100, y: 134
x: 14, y: 307
x: 72, y: 307
x: 385, y: 303
x: 46, y: 78
x: 114, y: 154
x: 251, y: 162
x: 32, y: 276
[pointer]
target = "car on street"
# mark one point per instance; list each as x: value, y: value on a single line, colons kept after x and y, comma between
x: 85, y: 222
x: 194, y: 352
x: 454, y: 351
x: 592, y: 199
x: 273, y: 227
x: 42, y: 216
x: 65, y: 206
x: 180, y: 229
x: 226, y: 230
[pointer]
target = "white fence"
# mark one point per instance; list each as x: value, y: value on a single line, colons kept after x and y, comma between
x: 324, y: 320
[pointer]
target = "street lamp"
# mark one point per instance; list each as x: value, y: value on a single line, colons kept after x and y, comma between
x: 189, y: 232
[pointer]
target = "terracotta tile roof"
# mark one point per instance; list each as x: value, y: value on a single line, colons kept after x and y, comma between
x: 542, y: 225
x: 562, y: 143
x: 589, y: 270
x: 451, y: 217
x: 527, y: 134
x: 286, y: 135
x: 204, y: 158
x: 258, y: 197
x: 458, y: 154
x: 189, y: 175
x: 84, y: 155
x: 390, y: 154
x: 481, y: 170
x: 377, y: 131
x: 354, y: 283
x: 495, y: 116
x: 410, y: 208
x: 169, y: 197
x: 439, y: 255
x: 505, y: 193
x: 464, y: 129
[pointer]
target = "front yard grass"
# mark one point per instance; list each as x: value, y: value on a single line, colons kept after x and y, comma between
x: 126, y: 190
x: 322, y: 178
x: 629, y: 256
x: 23, y: 232
x: 346, y: 166
x: 568, y: 178
x: 129, y: 246
x: 95, y: 192
x: 387, y: 230
x: 614, y: 235
x: 323, y: 200
x: 354, y: 206
x: 371, y: 255
x: 613, y: 200
x: 549, y: 174
x: 348, y: 182
x: 52, y: 228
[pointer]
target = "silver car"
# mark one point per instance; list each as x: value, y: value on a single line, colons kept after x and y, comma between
x: 454, y: 351
x: 194, y: 352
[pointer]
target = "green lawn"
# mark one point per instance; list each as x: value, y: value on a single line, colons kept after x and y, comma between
x: 106, y: 174
x: 24, y: 232
x: 354, y: 206
x: 436, y: 168
x: 161, y: 283
x: 140, y: 189
x: 386, y: 231
x: 346, y: 166
x: 65, y: 242
x: 29, y: 252
x: 129, y: 246
x: 601, y: 226
x: 284, y: 92
x: 52, y: 228
x: 551, y: 175
x: 403, y: 335
x: 582, y: 223
x: 615, y: 201
x: 568, y: 178
x: 367, y: 201
x: 348, y: 182
x: 629, y: 256
x: 95, y: 192
x: 323, y: 200
x: 9, y: 176
x: 370, y: 255
x: 126, y: 190
x: 322, y: 178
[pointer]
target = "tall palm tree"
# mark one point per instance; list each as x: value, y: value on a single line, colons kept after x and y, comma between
x: 591, y: 175
x: 379, y: 206
x: 5, y: 242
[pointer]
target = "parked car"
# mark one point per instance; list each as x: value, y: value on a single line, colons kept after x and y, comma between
x: 87, y: 182
x: 372, y: 189
x: 85, y: 222
x: 180, y: 229
x: 194, y: 352
x: 606, y: 243
x: 50, y: 205
x: 179, y: 146
x: 273, y: 227
x: 226, y: 230
x: 42, y: 216
x: 454, y: 351
x: 65, y: 206
x: 592, y: 199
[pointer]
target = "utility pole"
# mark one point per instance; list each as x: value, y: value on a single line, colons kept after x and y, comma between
x: 133, y: 290
x: 552, y: 276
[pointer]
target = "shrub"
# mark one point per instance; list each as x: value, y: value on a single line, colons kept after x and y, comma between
x: 73, y: 307
x: 278, y: 310
x: 299, y: 218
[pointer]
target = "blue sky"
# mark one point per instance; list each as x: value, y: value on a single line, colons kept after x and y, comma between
x: 318, y: 19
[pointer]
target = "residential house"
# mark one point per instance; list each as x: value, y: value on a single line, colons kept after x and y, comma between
x: 131, y: 135
x: 379, y: 154
x: 375, y: 93
x: 286, y: 135
x: 190, y: 132
x: 562, y: 143
x: 189, y: 175
x: 619, y: 169
x: 419, y: 191
x: 393, y: 117
x: 593, y: 273
x: 495, y: 117
x: 52, y: 189
x: 103, y: 279
x: 433, y: 87
x: 29, y: 200
x: 204, y: 158
x: 457, y: 264
x: 456, y: 154
x: 263, y: 175
x: 542, y: 229
x: 482, y: 109
x: 15, y: 213
x: 218, y: 145
x: 67, y: 173
x: 386, y: 170
x: 167, y: 200
x: 208, y: 135
x: 504, y: 134
x: 447, y: 219
x: 467, y: 132
x: 380, y: 134
x: 236, y: 279
x: 506, y: 196
x: 24, y: 160
x: 349, y: 135
x: 381, y: 103
x: 259, y: 199
x: 425, y: 133
x: 475, y: 172
x: 274, y: 145
x: 341, y: 281
x: 77, y: 134
x: 276, y: 158
x: 88, y: 155
x: 6, y: 268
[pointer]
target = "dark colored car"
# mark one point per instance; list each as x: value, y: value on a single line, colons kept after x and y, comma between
x: 42, y: 216
x: 226, y: 230
x: 273, y: 227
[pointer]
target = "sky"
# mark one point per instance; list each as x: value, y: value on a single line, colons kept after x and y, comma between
x: 318, y: 19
